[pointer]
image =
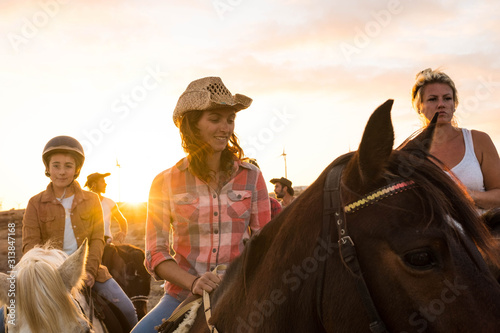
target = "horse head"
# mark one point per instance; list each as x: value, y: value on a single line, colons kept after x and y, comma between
x: 417, y: 237
x: 125, y: 262
x: 40, y: 290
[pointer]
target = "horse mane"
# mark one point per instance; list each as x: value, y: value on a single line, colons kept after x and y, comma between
x: 41, y: 286
x: 443, y: 196
x: 439, y: 193
x: 293, y: 239
x: 492, y: 218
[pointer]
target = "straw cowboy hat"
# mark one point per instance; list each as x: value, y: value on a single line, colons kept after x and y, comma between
x: 208, y: 93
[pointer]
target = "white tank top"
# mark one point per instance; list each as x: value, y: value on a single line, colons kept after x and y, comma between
x: 469, y: 170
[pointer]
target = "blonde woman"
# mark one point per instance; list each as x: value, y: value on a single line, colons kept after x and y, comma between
x: 469, y: 154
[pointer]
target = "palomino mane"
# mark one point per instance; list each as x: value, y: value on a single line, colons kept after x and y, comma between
x: 40, y: 287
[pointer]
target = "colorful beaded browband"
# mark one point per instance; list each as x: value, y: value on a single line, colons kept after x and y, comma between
x: 379, y: 195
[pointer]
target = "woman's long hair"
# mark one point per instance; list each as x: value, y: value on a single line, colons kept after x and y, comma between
x: 198, y: 150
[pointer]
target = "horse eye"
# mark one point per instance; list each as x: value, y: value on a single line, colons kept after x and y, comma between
x: 420, y: 259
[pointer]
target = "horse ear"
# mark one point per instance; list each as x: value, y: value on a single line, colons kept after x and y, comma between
x: 4, y: 286
x: 73, y: 269
x: 368, y: 163
x: 423, y: 140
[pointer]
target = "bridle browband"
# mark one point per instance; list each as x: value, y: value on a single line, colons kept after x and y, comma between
x: 379, y: 194
x: 333, y: 210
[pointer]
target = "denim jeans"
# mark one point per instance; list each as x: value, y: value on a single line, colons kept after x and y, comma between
x: 163, y: 309
x: 2, y: 324
x: 111, y: 291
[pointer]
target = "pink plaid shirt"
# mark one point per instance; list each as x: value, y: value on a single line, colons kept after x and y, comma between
x: 191, y: 223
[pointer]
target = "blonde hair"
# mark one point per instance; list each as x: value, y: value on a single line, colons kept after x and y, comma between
x: 428, y: 76
x: 44, y: 302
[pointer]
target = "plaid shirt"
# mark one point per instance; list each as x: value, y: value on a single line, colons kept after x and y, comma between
x: 275, y: 207
x: 201, y: 227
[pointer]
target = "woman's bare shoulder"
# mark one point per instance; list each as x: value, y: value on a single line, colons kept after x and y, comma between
x: 481, y: 139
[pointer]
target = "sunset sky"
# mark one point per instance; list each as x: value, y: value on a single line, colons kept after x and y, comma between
x: 109, y: 73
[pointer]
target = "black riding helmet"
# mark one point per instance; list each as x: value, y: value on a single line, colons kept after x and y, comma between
x: 64, y: 144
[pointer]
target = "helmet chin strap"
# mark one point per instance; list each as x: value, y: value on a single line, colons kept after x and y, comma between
x: 64, y: 194
x: 65, y: 189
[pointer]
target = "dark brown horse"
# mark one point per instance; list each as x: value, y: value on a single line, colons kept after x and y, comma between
x: 383, y: 240
x: 492, y: 219
x: 125, y: 262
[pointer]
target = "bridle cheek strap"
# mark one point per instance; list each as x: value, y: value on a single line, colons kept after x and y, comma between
x: 333, y: 209
x: 350, y: 258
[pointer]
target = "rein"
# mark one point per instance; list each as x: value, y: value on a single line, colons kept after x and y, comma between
x: 333, y: 210
x: 206, y: 302
x: 205, y: 299
x: 86, y: 291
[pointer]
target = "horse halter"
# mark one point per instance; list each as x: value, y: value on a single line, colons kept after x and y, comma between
x: 334, y: 210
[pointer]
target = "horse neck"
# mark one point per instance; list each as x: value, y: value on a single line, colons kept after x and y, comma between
x: 292, y: 237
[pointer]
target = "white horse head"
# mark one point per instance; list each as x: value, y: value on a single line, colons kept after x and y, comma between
x: 40, y: 292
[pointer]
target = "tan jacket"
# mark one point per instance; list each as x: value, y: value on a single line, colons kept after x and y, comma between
x: 44, y: 220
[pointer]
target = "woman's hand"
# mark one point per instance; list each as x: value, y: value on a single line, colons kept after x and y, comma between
x: 119, y: 237
x: 208, y: 281
x: 89, y: 280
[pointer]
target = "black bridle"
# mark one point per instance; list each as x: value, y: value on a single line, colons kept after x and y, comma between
x: 334, y: 211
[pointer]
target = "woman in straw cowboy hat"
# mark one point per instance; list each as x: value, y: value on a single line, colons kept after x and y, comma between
x: 205, y: 207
